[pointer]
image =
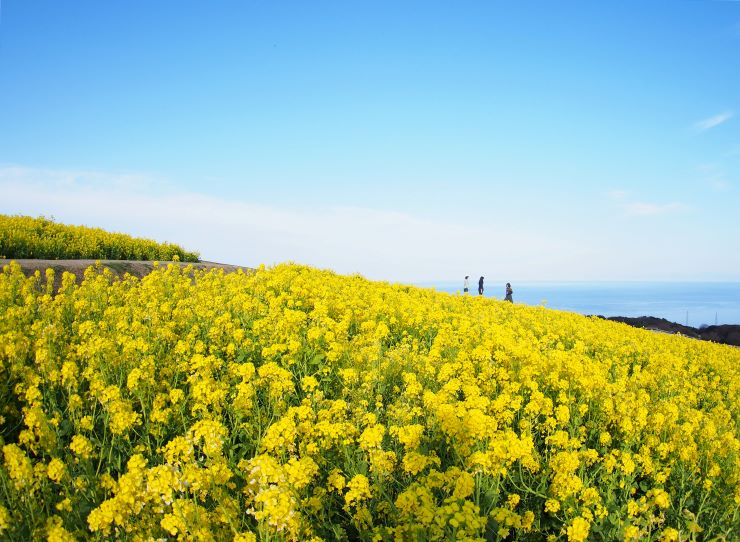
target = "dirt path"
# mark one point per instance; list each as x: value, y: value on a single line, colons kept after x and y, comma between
x: 118, y: 267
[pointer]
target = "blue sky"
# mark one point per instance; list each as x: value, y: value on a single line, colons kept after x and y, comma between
x: 405, y: 141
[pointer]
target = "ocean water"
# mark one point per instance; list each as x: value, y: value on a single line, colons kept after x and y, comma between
x: 689, y: 303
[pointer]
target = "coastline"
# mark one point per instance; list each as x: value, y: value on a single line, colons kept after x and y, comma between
x: 724, y: 333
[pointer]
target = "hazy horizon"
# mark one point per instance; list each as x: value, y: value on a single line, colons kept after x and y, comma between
x: 689, y: 303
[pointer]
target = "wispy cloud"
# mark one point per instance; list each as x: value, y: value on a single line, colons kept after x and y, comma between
x: 83, y: 178
x: 713, y: 122
x: 641, y: 208
x: 375, y: 242
x: 633, y: 207
x: 720, y: 184
x: 714, y: 176
x: 618, y: 195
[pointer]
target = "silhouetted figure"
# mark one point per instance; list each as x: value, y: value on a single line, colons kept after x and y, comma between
x: 466, y: 284
x: 480, y: 286
x: 509, y: 293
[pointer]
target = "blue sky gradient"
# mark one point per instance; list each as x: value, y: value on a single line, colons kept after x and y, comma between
x: 537, y: 140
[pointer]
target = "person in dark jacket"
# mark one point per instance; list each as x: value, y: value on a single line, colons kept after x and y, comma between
x: 509, y: 293
x: 480, y: 286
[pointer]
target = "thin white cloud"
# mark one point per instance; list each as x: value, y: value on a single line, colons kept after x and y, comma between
x: 708, y: 168
x: 713, y: 122
x: 719, y: 184
x: 618, y: 195
x: 375, y: 242
x: 378, y: 243
x: 629, y: 206
x: 714, y: 176
x: 84, y: 179
x: 641, y: 208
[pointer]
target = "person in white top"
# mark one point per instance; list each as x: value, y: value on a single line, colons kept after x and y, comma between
x: 466, y: 284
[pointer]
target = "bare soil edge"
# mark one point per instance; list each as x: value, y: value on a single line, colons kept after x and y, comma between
x: 119, y: 268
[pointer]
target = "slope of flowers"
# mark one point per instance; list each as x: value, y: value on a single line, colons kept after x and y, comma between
x: 295, y: 404
x: 41, y: 238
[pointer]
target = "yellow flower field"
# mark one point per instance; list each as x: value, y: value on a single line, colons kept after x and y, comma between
x: 24, y: 237
x: 296, y: 404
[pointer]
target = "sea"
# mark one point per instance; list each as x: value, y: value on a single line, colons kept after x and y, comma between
x: 694, y: 304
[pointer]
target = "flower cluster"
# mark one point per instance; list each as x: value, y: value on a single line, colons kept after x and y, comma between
x: 296, y: 404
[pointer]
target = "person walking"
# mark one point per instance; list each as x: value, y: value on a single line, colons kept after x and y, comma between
x: 480, y: 286
x: 466, y: 284
x: 509, y: 293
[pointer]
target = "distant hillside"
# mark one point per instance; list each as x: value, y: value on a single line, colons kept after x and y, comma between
x: 27, y: 237
x: 725, y: 334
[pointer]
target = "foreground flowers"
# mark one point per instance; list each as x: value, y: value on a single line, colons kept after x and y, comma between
x: 295, y: 404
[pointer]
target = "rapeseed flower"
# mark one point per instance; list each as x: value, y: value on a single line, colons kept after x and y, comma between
x: 578, y: 530
x: 295, y: 404
x: 358, y: 490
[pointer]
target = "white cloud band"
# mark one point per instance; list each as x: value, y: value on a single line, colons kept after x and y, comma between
x: 712, y: 122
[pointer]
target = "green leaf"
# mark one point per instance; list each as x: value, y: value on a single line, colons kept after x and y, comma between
x: 317, y: 359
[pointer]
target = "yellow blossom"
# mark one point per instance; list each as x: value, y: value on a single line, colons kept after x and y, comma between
x: 578, y: 530
x: 56, y: 469
x: 358, y: 490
